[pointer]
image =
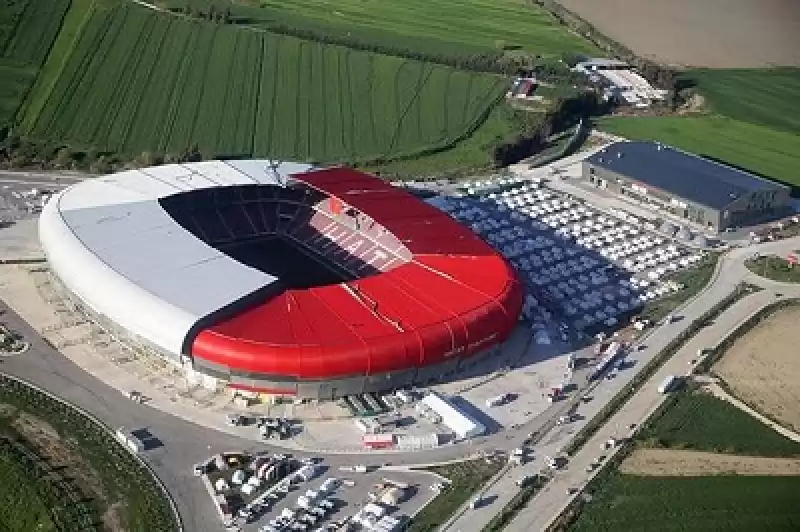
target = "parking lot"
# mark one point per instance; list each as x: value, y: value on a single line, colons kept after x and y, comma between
x: 588, y: 268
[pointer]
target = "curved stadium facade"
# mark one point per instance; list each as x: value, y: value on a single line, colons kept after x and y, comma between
x: 283, y: 278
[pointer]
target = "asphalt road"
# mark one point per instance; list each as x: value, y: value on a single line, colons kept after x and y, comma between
x: 551, y: 501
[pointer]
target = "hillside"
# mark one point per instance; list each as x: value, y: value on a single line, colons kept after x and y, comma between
x: 461, y: 27
x: 137, y: 80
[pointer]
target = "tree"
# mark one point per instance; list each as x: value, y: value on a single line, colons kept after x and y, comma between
x: 100, y: 166
x: 64, y: 158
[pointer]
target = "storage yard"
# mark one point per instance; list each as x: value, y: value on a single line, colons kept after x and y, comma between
x: 272, y: 493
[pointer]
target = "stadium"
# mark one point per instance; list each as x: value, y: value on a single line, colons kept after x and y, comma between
x: 280, y: 278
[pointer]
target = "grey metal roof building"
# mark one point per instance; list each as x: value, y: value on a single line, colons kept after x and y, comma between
x: 703, y: 191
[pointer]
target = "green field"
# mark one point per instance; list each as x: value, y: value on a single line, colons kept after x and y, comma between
x: 761, y: 150
x: 765, y: 97
x: 24, y: 504
x: 473, y: 155
x: 701, y: 504
x: 698, y: 504
x: 705, y: 423
x: 27, y: 30
x: 775, y: 268
x: 466, y: 478
x: 438, y: 27
x: 137, y: 81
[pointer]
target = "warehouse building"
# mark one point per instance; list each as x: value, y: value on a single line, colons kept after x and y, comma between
x: 700, y: 191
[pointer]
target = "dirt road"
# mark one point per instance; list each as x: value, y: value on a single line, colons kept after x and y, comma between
x: 669, y: 462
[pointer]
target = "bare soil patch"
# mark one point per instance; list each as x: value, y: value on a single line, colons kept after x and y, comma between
x: 708, y: 33
x: 47, y: 443
x: 762, y: 368
x: 669, y: 462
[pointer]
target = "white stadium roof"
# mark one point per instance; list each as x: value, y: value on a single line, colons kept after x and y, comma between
x: 102, y: 235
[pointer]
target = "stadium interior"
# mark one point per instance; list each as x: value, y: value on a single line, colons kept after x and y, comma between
x: 295, y: 233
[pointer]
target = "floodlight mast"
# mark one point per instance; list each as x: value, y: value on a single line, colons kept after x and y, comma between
x: 273, y: 166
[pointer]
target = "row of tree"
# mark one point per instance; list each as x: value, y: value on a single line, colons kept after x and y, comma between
x: 23, y: 152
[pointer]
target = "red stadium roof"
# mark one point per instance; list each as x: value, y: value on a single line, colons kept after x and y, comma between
x: 455, y: 297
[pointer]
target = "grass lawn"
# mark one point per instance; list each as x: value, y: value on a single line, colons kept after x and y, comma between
x: 693, y: 280
x: 466, y: 478
x: 121, y: 487
x: 775, y: 268
x: 755, y: 148
x: 704, y: 423
x: 765, y: 97
x: 701, y: 504
x: 439, y: 27
x: 25, y: 502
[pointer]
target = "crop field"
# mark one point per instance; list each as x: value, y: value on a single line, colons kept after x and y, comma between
x: 698, y: 504
x: 137, y: 80
x: 755, y: 148
x: 705, y: 423
x: 27, y: 30
x: 431, y: 26
x: 711, y: 33
x: 765, y: 97
x: 761, y: 369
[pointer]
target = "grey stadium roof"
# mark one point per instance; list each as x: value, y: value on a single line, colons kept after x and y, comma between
x: 680, y: 173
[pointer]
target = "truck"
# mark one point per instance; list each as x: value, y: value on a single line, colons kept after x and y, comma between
x: 497, y: 400
x: 668, y: 384
x: 614, y: 350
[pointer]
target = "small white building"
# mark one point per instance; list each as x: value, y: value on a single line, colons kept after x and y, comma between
x: 459, y: 422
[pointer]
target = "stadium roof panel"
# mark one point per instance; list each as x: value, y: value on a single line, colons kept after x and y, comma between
x: 680, y: 173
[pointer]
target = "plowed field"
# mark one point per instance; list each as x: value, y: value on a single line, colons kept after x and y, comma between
x: 763, y: 367
x: 712, y: 33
